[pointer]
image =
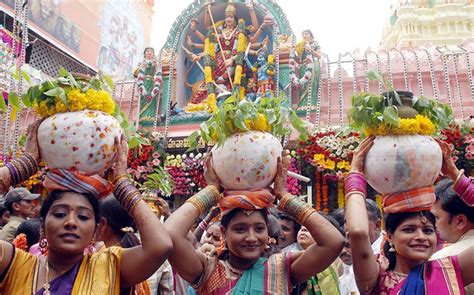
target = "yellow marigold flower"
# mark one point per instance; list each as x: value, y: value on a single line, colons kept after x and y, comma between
x: 426, y: 126
x: 208, y: 74
x: 271, y: 58
x: 211, y: 103
x: 215, y: 136
x: 260, y: 123
x: 241, y: 42
x: 318, y: 158
x: 383, y: 130
x: 238, y: 75
x: 300, y: 47
x: 329, y: 164
x: 343, y: 165
x: 76, y: 100
x: 407, y: 127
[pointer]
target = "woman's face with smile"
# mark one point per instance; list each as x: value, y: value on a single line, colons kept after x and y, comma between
x: 69, y: 224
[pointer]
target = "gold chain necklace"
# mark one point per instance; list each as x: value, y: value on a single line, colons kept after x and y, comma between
x: 234, y: 270
x: 227, y: 36
x: 46, y: 285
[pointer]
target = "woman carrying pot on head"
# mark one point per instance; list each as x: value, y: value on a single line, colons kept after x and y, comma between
x: 241, y: 268
x: 69, y: 223
x: 411, y: 240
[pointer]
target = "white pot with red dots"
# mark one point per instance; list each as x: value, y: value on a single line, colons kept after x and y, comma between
x: 402, y: 162
x: 247, y: 160
x: 82, y: 141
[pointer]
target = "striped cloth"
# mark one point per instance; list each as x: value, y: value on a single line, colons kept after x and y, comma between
x: 247, y: 200
x: 63, y: 179
x: 414, y: 200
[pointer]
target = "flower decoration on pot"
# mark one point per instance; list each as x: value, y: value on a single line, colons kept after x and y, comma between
x: 78, y: 134
x: 404, y: 156
x: 245, y: 133
x: 461, y: 141
x: 329, y: 150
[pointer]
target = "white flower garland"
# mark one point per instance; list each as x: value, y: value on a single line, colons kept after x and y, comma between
x: 308, y: 75
x: 157, y: 79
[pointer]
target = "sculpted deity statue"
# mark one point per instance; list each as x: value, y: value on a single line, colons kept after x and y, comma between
x: 303, y: 67
x: 263, y: 70
x: 223, y: 50
x: 148, y: 82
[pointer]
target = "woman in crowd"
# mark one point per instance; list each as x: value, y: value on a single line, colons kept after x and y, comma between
x: 241, y: 268
x: 69, y: 223
x: 27, y: 234
x: 326, y: 281
x: 117, y: 228
x: 411, y: 241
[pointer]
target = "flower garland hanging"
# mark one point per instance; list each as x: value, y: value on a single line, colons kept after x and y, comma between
x: 157, y: 79
x: 329, y: 150
x: 308, y: 74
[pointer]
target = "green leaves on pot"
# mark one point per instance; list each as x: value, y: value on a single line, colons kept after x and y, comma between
x: 236, y: 115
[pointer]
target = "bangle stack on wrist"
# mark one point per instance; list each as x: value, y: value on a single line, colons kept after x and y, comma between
x: 463, y: 187
x: 355, y: 183
x: 126, y: 194
x: 205, y: 199
x: 295, y: 207
x: 22, y: 168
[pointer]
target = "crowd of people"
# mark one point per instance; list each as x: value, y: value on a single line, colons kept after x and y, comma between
x: 90, y: 238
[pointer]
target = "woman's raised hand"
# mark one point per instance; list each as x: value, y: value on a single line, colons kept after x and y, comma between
x: 32, y: 146
x: 358, y: 159
x: 448, y: 167
x: 279, y: 184
x: 209, y: 173
x: 121, y: 146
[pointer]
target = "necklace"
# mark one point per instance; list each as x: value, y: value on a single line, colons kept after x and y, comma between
x: 400, y: 274
x: 227, y: 36
x: 46, y: 285
x: 233, y: 270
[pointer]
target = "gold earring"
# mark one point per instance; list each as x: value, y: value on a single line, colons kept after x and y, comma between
x: 391, y: 249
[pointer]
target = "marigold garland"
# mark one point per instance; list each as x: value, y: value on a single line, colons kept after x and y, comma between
x: 98, y: 100
x: 420, y: 125
x: 20, y: 242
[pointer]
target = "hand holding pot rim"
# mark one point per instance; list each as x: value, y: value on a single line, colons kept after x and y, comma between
x: 32, y: 146
x: 358, y: 158
x: 448, y: 168
x: 279, y: 183
x: 209, y: 173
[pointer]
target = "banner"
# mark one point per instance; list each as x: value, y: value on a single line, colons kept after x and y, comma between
x: 105, y: 35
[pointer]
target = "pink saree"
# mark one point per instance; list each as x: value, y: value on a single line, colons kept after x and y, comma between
x: 439, y: 277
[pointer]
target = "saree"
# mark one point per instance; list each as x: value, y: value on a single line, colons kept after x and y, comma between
x: 267, y: 276
x: 436, y: 277
x: 95, y: 274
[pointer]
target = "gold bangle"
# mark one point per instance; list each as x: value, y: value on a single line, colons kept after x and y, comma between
x: 458, y: 177
x: 284, y: 200
x: 120, y: 177
x: 349, y: 194
x: 135, y: 205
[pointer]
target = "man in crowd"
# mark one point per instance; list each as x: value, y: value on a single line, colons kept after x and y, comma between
x: 4, y: 215
x: 20, y: 202
x: 375, y: 225
x: 454, y: 221
x: 288, y: 232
